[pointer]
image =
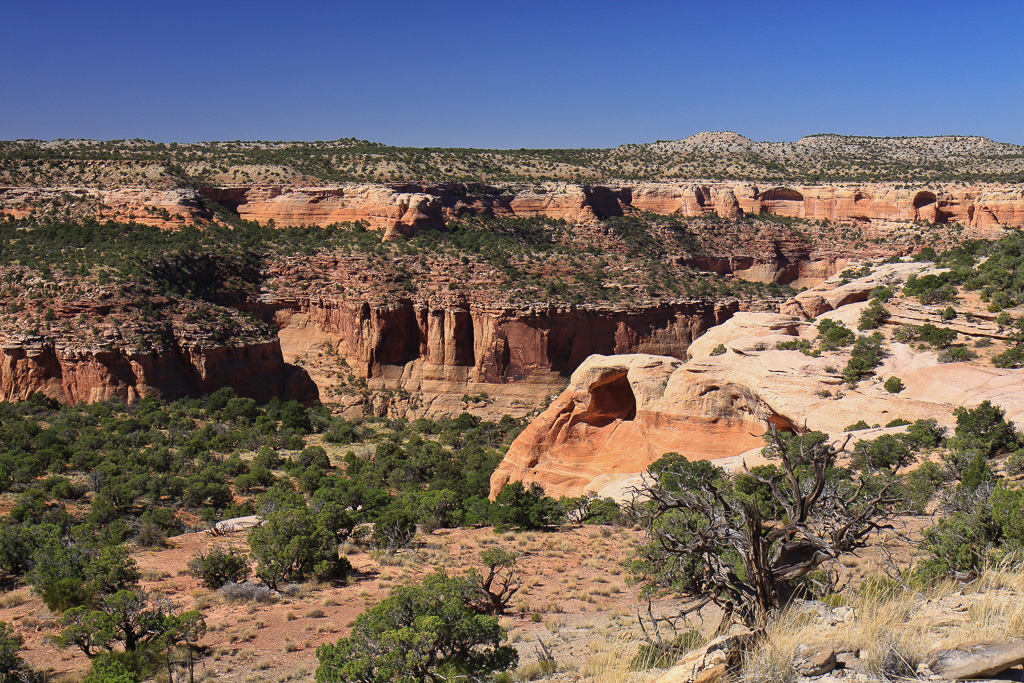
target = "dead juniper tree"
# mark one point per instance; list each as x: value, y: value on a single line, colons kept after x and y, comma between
x: 748, y: 543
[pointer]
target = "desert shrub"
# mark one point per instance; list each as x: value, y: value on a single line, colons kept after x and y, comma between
x: 420, y: 633
x: 833, y: 334
x: 497, y: 584
x: 957, y: 545
x: 881, y: 293
x: 894, y: 385
x: 931, y: 289
x: 705, y: 544
x: 887, y: 452
x: 247, y: 591
x: 921, y: 485
x: 1012, y: 357
x: 925, y: 433
x: 867, y: 354
x: 293, y: 543
x: 519, y: 507
x: 985, y: 428
x: 939, y: 337
x: 948, y: 313
x: 718, y: 350
x: 218, y: 566
x: 12, y: 666
x: 983, y: 343
x: 857, y: 426
x: 872, y: 316
x: 665, y: 654
x: 315, y: 457
x: 957, y: 354
x: 1015, y: 463
x: 393, y: 530
x: 905, y: 334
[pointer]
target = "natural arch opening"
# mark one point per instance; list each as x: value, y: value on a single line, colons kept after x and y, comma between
x: 782, y: 194
x: 610, y: 401
x: 923, y: 199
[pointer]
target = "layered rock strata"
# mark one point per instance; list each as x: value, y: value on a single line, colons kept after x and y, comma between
x: 509, y: 353
x: 405, y: 208
x: 72, y: 374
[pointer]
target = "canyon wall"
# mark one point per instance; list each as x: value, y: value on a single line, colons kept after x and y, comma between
x: 442, y: 352
x: 71, y: 375
x: 405, y: 208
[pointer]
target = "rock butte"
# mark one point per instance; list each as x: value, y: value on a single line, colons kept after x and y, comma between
x: 621, y: 413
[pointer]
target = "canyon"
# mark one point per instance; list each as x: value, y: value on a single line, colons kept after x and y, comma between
x: 426, y: 335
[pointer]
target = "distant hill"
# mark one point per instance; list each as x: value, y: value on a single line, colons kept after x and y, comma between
x: 706, y: 156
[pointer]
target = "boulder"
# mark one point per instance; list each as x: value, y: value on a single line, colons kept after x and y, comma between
x: 972, y: 661
x: 812, y: 660
x: 709, y: 663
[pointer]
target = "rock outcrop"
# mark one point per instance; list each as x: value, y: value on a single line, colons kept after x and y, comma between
x: 621, y: 413
x: 72, y: 375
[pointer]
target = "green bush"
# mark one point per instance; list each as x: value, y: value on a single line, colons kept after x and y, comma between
x: 833, y: 334
x: 921, y: 485
x: 873, y: 316
x: 420, y: 633
x: 887, y: 452
x: 293, y: 544
x: 985, y: 428
x: 957, y: 354
x: 12, y: 666
x: 894, y: 385
x: 718, y: 350
x: 219, y: 565
x: 867, y: 354
x: 519, y: 507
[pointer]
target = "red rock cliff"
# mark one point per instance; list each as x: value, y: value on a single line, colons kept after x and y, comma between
x: 71, y: 375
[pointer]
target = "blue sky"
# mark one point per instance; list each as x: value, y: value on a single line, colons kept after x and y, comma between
x: 510, y: 74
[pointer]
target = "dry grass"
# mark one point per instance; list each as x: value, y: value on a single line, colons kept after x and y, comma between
x: 896, y: 631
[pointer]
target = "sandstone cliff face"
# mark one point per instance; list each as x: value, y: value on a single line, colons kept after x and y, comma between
x: 450, y: 350
x: 71, y: 375
x: 405, y: 208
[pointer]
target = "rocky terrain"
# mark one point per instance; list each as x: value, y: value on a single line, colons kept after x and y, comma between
x: 621, y: 413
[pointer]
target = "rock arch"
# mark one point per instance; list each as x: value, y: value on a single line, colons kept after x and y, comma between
x: 611, y: 400
x: 923, y: 199
x: 783, y: 201
x: 926, y: 207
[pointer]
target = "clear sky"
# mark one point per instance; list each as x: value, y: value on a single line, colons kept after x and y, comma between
x: 509, y: 74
